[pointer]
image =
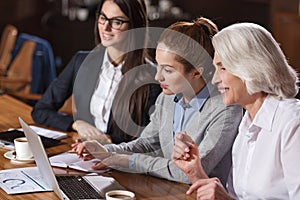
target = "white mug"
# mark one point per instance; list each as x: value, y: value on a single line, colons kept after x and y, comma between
x: 22, y: 148
x: 119, y: 195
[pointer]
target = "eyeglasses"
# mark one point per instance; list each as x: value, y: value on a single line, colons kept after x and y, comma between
x: 114, y: 23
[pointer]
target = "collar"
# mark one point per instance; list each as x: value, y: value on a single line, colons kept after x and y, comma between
x: 108, y: 65
x: 196, y: 102
x: 265, y: 115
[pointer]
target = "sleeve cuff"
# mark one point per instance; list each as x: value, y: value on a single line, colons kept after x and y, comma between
x: 131, y: 161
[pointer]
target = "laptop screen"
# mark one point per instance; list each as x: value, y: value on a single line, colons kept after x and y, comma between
x: 89, y: 188
x: 41, y: 158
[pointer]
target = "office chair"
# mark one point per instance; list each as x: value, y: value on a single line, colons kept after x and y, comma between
x: 17, y: 81
x: 8, y: 39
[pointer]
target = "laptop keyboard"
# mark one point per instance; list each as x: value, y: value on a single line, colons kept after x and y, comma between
x: 75, y: 188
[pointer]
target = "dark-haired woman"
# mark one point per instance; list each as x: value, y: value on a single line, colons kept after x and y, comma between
x: 102, y: 79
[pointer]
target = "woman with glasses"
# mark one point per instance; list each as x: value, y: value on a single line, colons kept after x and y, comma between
x: 115, y: 22
x: 108, y: 83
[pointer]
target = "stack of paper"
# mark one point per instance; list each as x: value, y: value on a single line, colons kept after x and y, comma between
x: 48, y: 133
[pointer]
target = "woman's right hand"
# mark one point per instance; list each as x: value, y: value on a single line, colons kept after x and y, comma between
x: 90, y: 149
x: 88, y: 132
x: 186, y: 157
x: 209, y: 189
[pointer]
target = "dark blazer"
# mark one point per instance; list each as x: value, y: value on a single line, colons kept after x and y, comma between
x: 80, y: 77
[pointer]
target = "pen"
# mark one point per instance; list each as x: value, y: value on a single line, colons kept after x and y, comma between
x: 71, y: 151
x: 95, y: 154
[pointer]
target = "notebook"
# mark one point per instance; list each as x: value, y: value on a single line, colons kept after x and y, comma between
x: 71, y: 160
x: 68, y: 186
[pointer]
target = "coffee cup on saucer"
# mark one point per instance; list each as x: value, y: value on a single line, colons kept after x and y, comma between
x: 119, y: 195
x: 22, y: 148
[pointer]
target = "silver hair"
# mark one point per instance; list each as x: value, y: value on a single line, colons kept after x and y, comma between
x: 249, y: 52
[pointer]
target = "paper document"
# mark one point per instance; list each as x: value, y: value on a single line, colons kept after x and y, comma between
x: 22, y: 180
x: 71, y: 160
x: 48, y: 133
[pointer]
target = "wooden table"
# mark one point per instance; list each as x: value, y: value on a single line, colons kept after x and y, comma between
x: 145, y: 187
x: 10, y: 110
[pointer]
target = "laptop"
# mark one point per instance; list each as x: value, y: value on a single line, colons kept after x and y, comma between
x: 66, y: 187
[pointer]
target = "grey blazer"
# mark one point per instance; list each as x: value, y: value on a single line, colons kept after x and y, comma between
x: 213, y: 129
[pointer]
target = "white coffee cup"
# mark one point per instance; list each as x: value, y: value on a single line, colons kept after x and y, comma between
x: 22, y: 148
x: 119, y: 195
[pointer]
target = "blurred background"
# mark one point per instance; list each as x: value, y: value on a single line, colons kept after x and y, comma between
x: 68, y: 24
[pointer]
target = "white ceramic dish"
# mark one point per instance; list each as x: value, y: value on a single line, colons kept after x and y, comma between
x: 12, y: 156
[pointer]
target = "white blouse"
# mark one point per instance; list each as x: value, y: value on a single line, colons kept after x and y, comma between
x: 266, y: 153
x: 104, y: 94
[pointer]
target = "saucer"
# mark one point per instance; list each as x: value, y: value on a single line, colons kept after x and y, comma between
x: 12, y: 156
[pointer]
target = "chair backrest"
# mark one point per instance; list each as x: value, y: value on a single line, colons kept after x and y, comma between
x: 43, y: 65
x: 8, y: 39
x: 19, y: 73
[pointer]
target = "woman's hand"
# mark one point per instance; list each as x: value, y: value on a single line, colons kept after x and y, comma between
x: 90, y: 149
x: 89, y: 132
x: 186, y: 157
x: 182, y: 146
x: 209, y: 189
x: 93, y: 149
x: 115, y: 161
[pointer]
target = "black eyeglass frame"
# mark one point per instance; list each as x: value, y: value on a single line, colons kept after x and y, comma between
x: 111, y: 20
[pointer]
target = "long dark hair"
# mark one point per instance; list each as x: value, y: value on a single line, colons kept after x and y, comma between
x: 135, y: 10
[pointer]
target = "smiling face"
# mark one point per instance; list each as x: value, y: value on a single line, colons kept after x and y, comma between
x: 232, y: 88
x: 109, y: 36
x: 171, y: 74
